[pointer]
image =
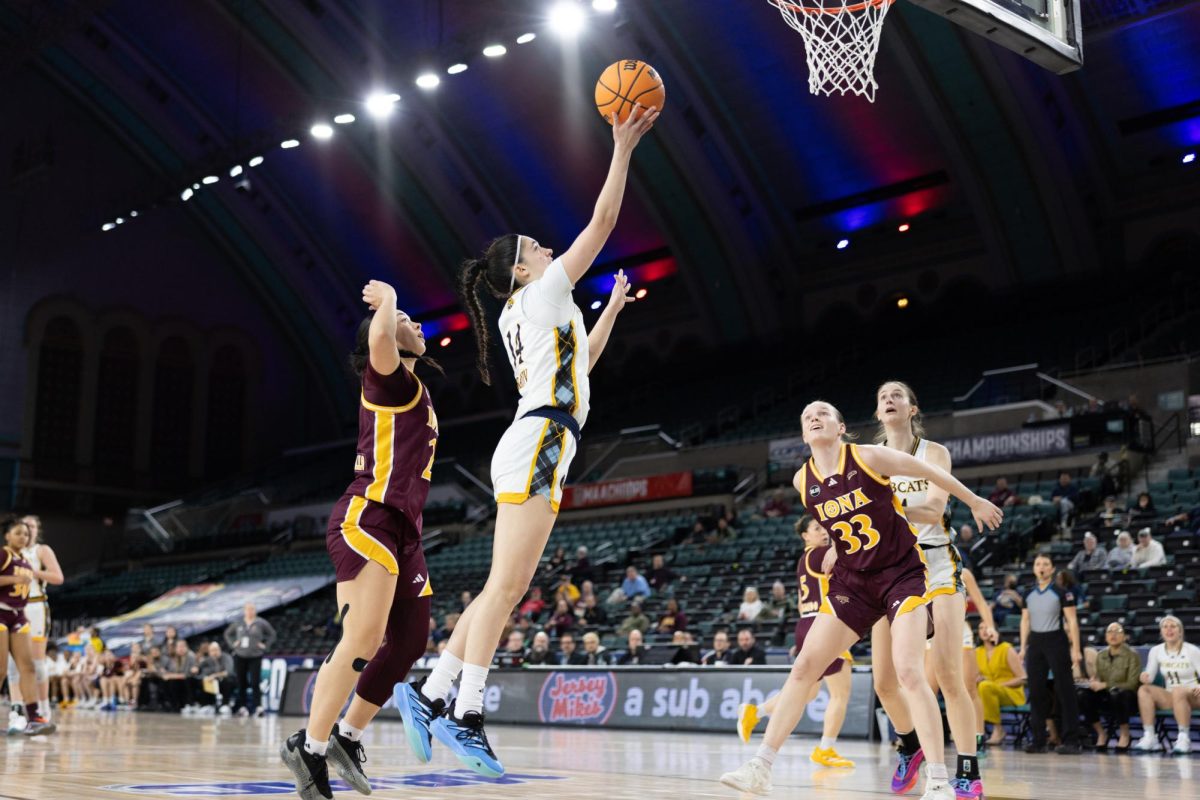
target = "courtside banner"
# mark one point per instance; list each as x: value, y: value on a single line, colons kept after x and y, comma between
x: 203, y: 607
x: 987, y: 448
x: 627, y: 490
x: 649, y: 698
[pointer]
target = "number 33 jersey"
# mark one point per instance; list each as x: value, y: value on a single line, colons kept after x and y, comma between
x: 863, y: 516
x: 544, y: 336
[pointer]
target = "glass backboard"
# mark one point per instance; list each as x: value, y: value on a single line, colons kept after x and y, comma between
x: 1047, y: 32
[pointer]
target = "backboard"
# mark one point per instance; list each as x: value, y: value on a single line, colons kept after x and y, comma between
x: 1047, y: 32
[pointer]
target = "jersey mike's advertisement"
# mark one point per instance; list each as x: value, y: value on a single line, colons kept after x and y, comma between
x: 628, y: 490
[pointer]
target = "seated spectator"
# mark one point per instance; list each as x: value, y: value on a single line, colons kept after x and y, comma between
x: 748, y: 652
x: 568, y: 656
x: 170, y: 637
x: 1110, y: 516
x: 1148, y: 552
x: 135, y: 669
x: 1142, y: 509
x: 1111, y: 692
x: 592, y: 615
x: 660, y: 577
x: 558, y: 560
x: 635, y: 621
x: 447, y: 630
x: 1064, y: 579
x: 1001, y: 680
x: 1180, y: 666
x: 1121, y: 556
x: 563, y: 620
x: 686, y: 651
x: 56, y: 670
x: 635, y: 651
x: 1104, y: 472
x: 634, y: 585
x: 672, y: 619
x: 216, y: 677
x: 112, y: 677
x: 1092, y: 556
x: 152, y: 695
x: 594, y: 653
x: 720, y: 654
x: 534, y: 605
x: 148, y: 639
x: 586, y: 589
x: 778, y: 504
x: 1008, y: 600
x: 513, y: 652
x: 724, y: 532
x: 565, y: 590
x: 464, y: 600
x: 1002, y: 495
x: 1064, y: 498
x: 582, y: 569
x: 178, y: 669
x: 778, y: 604
x: 751, y: 606
x: 540, y: 653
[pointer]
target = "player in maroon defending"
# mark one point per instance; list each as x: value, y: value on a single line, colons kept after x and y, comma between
x: 15, y: 576
x: 374, y: 540
x: 879, y: 572
x: 814, y: 585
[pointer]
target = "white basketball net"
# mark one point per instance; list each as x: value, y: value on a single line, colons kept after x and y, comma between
x: 841, y: 40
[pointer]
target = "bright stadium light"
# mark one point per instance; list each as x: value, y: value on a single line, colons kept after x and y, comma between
x: 640, y: 294
x: 454, y: 69
x: 254, y: 162
x: 108, y: 226
x: 186, y: 194
x: 904, y: 226
x: 428, y: 81
x: 381, y: 104
x: 132, y: 213
x: 526, y: 38
x: 120, y: 220
x: 344, y: 119
x: 843, y: 244
x: 322, y: 130
x: 495, y: 50
x: 235, y: 170
x: 595, y: 304
x: 1189, y: 158
x: 288, y: 144
x: 445, y: 341
x: 209, y: 180
x: 566, y: 18
x: 604, y: 5
x: 901, y: 302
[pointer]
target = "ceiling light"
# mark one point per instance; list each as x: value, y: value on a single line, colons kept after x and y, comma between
x: 132, y: 213
x: 595, y: 304
x: 344, y: 119
x: 428, y: 81
x: 843, y: 244
x: 186, y: 194
x: 288, y: 144
x: 454, y: 69
x: 235, y: 170
x: 108, y: 226
x: 209, y: 180
x: 445, y: 341
x: 903, y: 227
x: 604, y: 5
x: 381, y: 104
x: 901, y: 302
x: 120, y: 220
x: 495, y: 50
x: 1189, y: 158
x: 566, y: 18
x: 322, y: 130
x: 254, y: 162
x: 526, y: 38
x: 640, y: 293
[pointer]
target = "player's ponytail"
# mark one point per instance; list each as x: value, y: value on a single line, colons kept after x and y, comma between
x: 494, y: 270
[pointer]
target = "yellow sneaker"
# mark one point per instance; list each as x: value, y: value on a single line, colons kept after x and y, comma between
x: 747, y: 719
x: 830, y: 758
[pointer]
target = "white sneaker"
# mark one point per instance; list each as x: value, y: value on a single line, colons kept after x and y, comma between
x: 226, y: 711
x: 16, y: 723
x: 207, y: 711
x: 1183, y: 744
x: 937, y: 790
x: 754, y: 776
x: 1147, y: 743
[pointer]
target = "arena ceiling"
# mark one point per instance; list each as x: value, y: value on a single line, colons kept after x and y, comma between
x: 739, y: 196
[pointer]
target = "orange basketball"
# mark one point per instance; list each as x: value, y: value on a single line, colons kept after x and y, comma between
x: 625, y: 83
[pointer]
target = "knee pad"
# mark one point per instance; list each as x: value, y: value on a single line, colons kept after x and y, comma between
x: 359, y: 664
x: 40, y: 670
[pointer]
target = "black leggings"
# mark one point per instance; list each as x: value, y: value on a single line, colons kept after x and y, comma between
x: 248, y: 672
x: 404, y: 642
x: 1116, y: 705
x: 1046, y: 653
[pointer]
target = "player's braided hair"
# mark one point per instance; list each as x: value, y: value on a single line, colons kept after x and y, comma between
x: 494, y: 269
x: 361, y: 353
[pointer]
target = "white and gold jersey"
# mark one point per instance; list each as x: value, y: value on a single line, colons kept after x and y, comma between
x: 33, y: 556
x: 546, y: 341
x: 1180, y: 668
x: 913, y: 492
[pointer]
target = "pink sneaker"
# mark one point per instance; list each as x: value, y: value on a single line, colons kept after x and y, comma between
x: 967, y: 788
x: 907, y: 772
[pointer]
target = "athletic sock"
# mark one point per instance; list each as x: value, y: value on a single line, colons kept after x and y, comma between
x: 967, y: 767
x: 470, y: 690
x: 311, y: 745
x: 31, y: 710
x: 447, y: 668
x: 909, y: 743
x: 827, y: 742
x: 937, y: 772
x: 766, y: 754
x: 349, y: 731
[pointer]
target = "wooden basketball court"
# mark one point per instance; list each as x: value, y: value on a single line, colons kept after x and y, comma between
x: 162, y: 756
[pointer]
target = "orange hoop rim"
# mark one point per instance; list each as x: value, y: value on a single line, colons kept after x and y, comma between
x: 850, y: 9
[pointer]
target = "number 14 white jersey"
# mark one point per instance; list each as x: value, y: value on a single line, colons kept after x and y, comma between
x: 547, y: 346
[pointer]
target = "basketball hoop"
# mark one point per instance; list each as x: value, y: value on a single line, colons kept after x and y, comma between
x: 841, y: 40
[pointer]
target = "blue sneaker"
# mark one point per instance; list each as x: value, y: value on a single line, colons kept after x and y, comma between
x: 466, y: 739
x: 417, y: 713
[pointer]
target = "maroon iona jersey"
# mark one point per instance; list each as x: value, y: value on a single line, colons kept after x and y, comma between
x: 863, y: 516
x: 14, y: 595
x: 397, y: 437
x: 813, y: 583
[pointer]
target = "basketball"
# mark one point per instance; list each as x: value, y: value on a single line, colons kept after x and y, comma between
x: 625, y: 83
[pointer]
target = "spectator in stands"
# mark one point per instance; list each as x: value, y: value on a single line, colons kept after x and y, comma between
x: 1111, y: 692
x: 686, y: 651
x: 148, y: 640
x: 513, y: 653
x: 563, y: 620
x: 250, y: 638
x: 592, y: 615
x: 1065, y: 580
x: 568, y: 655
x: 1064, y: 498
x: 778, y: 504
x: 1148, y: 552
x: 112, y: 679
x: 56, y: 668
x: 217, y: 669
x: 170, y: 637
x: 1121, y: 556
x: 565, y: 590
x: 749, y: 651
x: 464, y: 600
x: 1092, y: 556
x: 1142, y: 509
x: 660, y: 577
x: 1050, y: 643
x: 635, y: 621
x: 135, y: 670
x: 594, y: 653
x: 1110, y: 515
x: 152, y: 695
x: 1180, y: 666
x: 1102, y: 471
x: 1001, y: 680
x: 540, y: 652
x: 672, y: 619
x: 751, y: 605
x: 1002, y: 495
x: 588, y: 589
x: 634, y: 585
x: 635, y: 651
x: 582, y: 569
x: 724, y: 532
x: 558, y: 560
x: 720, y: 654
x: 778, y: 604
x: 443, y: 633
x: 534, y: 605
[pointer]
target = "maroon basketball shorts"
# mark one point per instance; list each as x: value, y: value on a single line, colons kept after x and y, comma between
x: 13, y: 619
x: 802, y: 627
x: 362, y: 530
x: 860, y: 599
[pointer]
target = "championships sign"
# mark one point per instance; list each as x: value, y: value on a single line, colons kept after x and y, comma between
x: 1030, y: 443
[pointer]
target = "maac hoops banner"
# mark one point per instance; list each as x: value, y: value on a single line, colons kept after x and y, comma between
x: 628, y: 490
x: 1020, y: 445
